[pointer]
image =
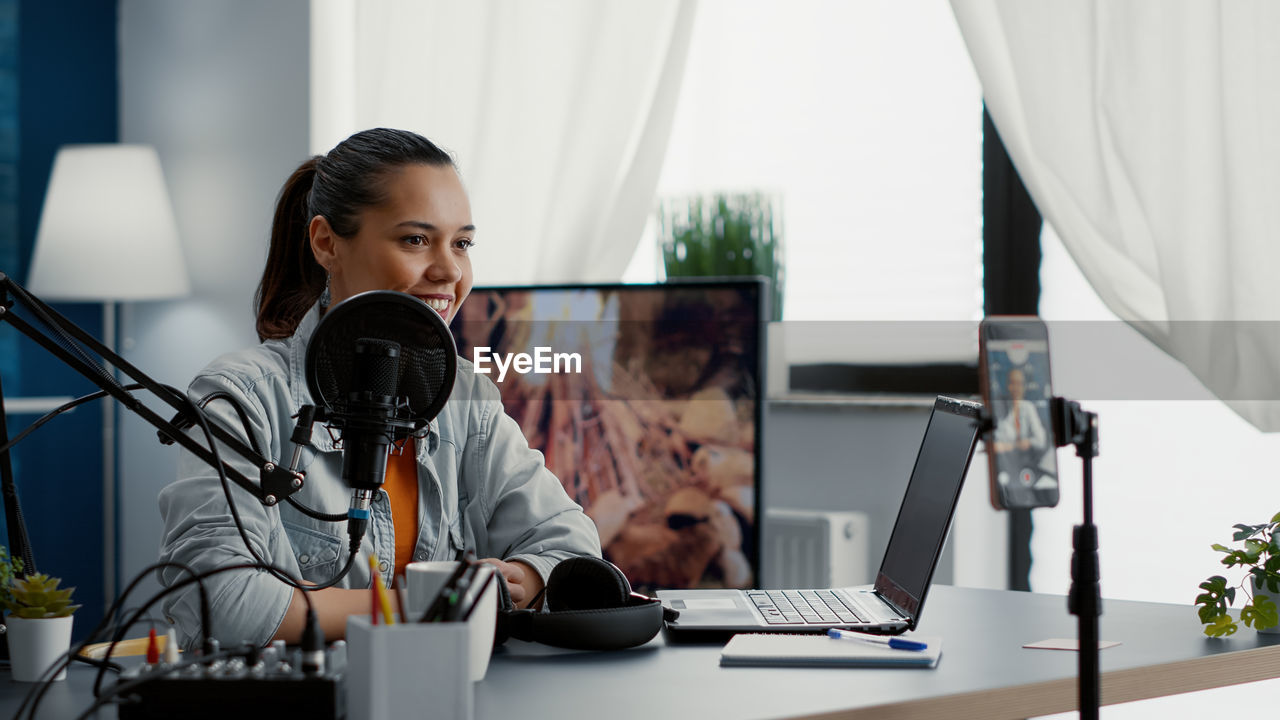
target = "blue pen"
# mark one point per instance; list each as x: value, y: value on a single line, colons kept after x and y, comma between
x: 893, y: 642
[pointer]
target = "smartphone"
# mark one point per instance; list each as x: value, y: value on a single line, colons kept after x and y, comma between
x: 1022, y: 456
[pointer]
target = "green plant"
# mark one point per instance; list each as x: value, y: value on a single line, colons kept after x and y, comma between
x: 38, y: 596
x: 723, y: 234
x: 8, y: 567
x: 33, y: 596
x: 1260, y: 553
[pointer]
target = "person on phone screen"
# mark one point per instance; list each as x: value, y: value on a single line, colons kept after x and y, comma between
x: 1020, y: 430
x: 383, y: 210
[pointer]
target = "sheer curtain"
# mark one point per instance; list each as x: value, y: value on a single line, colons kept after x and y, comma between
x: 557, y: 111
x: 1146, y: 131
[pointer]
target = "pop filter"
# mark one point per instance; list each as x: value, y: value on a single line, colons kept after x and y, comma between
x: 428, y: 359
x: 379, y: 366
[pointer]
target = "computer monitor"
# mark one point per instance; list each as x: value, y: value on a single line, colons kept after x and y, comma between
x: 646, y: 402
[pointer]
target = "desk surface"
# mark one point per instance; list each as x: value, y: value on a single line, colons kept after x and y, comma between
x: 984, y: 672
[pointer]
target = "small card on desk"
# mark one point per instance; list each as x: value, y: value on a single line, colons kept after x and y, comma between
x: 782, y: 650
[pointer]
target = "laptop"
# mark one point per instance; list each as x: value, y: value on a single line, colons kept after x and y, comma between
x: 892, y: 605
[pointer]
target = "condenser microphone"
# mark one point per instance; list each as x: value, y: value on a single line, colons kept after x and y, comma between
x: 369, y: 424
x: 379, y: 367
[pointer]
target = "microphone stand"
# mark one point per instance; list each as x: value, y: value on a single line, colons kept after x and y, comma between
x: 66, y: 341
x: 77, y: 349
x: 19, y: 541
x: 1075, y: 426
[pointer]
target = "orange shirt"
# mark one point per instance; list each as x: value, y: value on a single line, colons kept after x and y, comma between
x: 401, y: 484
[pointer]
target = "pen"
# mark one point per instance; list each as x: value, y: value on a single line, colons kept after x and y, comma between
x: 893, y: 642
x: 475, y: 598
x: 373, y: 591
x: 441, y: 601
x: 402, y: 598
x: 460, y: 592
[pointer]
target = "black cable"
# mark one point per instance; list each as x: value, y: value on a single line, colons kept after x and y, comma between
x: 101, y: 664
x: 142, y: 679
x: 240, y: 413
x: 58, y: 411
x: 309, y: 512
x: 199, y: 577
x: 203, y: 420
x: 253, y: 442
x: 107, y: 622
x: 36, y: 694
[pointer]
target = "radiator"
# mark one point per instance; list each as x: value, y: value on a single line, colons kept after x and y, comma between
x: 814, y: 549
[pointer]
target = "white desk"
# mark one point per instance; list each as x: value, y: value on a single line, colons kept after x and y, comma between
x: 984, y: 672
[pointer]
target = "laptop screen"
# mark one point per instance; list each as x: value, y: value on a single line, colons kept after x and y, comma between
x: 929, y: 503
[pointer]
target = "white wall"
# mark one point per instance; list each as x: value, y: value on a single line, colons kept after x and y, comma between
x: 220, y: 87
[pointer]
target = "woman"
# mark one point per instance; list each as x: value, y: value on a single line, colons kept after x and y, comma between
x: 384, y: 210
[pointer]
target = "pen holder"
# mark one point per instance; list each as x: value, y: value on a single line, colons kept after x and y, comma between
x: 419, y: 669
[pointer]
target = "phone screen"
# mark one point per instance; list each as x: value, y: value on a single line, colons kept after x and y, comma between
x: 1016, y: 388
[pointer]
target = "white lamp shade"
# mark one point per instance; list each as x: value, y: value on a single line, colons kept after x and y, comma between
x: 107, y: 230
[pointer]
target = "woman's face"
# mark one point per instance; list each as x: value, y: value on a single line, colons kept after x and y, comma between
x: 417, y: 241
x: 1017, y: 385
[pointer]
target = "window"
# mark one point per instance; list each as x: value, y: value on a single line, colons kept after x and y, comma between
x: 867, y: 118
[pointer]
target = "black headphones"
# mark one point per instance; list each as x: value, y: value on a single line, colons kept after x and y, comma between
x: 590, y: 606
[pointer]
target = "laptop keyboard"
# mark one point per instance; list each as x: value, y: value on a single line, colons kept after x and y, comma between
x: 796, y: 607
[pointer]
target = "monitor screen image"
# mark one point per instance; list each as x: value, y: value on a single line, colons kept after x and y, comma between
x: 645, y: 401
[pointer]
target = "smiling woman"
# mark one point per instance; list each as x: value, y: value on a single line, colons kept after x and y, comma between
x: 416, y: 241
x: 384, y: 210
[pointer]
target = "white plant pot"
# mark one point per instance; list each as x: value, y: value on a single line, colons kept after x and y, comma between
x: 1274, y: 598
x: 36, y: 644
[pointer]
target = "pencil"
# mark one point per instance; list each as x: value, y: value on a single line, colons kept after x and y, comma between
x: 380, y: 592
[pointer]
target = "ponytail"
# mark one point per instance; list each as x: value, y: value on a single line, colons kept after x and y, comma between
x: 292, y: 280
x: 336, y: 186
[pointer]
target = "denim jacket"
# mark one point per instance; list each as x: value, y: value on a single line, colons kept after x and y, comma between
x: 480, y: 488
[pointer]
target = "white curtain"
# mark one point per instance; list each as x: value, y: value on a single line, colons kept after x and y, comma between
x: 1148, y: 134
x: 558, y: 112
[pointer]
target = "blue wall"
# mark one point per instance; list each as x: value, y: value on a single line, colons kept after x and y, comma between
x: 8, y: 169
x: 67, y: 91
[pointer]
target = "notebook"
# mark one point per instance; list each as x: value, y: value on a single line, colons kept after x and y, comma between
x: 894, y: 602
x: 775, y: 650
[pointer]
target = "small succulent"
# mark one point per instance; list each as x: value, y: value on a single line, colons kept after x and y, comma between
x: 38, y: 596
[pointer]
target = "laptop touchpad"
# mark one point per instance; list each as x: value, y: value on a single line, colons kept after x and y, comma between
x: 705, y: 604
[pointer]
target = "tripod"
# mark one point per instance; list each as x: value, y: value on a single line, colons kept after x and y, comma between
x: 1074, y: 426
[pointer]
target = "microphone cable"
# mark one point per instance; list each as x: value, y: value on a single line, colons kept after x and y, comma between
x: 58, y: 411
x: 107, y: 622
x: 142, y: 679
x: 253, y: 442
x: 283, y: 577
x: 36, y: 694
x: 259, y: 563
x: 208, y: 434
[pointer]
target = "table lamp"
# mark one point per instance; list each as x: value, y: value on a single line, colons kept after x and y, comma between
x: 107, y: 234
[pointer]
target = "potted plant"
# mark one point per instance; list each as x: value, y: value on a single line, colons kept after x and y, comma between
x: 724, y: 234
x: 1260, y: 554
x: 38, y: 621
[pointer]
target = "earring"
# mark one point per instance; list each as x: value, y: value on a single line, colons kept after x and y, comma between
x: 325, y: 297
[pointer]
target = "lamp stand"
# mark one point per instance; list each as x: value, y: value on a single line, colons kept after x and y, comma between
x: 109, y: 462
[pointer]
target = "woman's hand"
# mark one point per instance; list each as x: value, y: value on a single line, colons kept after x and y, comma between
x: 523, y: 582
